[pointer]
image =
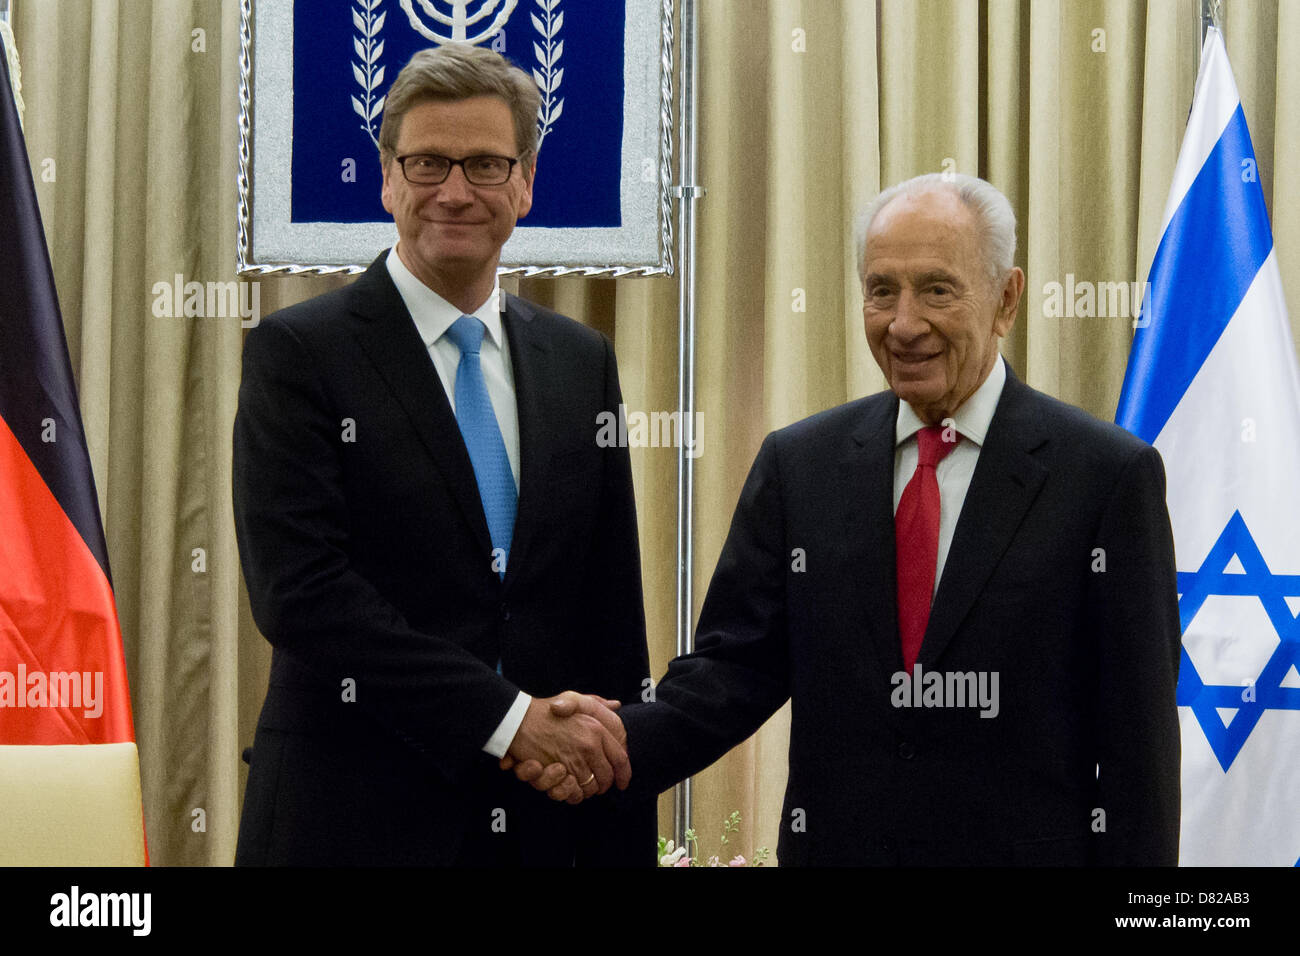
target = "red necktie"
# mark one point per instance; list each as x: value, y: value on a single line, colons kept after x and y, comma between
x: 916, y: 537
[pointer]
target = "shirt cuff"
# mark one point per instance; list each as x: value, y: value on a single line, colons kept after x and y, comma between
x: 504, y: 735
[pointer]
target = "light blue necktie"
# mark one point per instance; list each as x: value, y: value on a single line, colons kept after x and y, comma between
x: 482, y: 434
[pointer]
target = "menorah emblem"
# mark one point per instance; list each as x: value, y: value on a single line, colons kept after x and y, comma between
x: 459, y: 20
x: 368, y: 69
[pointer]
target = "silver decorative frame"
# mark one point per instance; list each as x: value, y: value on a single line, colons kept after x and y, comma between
x: 531, y: 263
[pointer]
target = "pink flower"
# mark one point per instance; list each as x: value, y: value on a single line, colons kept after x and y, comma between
x: 738, y: 861
x: 684, y: 861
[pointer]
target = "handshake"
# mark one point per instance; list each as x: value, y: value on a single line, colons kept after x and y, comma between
x: 572, y: 746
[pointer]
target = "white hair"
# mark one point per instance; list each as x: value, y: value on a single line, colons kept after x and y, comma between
x: 993, y: 215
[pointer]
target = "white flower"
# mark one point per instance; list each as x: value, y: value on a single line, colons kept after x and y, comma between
x: 672, y: 857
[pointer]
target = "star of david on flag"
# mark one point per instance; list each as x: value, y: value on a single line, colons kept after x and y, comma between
x: 1212, y: 382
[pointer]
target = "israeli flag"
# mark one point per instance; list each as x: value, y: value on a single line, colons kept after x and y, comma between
x: 1212, y: 383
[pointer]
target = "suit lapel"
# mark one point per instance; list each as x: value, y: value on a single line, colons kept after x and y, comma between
x: 536, y: 382
x: 388, y: 335
x: 866, y: 478
x: 1007, y: 479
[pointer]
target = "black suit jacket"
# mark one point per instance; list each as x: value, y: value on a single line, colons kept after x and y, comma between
x: 368, y: 564
x: 1060, y: 579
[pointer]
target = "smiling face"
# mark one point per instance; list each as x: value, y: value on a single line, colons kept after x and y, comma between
x: 933, y: 317
x: 451, y: 234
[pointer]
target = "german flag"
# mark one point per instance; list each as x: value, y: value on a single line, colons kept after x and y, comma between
x: 65, y: 708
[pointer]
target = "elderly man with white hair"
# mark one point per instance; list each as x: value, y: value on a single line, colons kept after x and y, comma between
x: 966, y: 588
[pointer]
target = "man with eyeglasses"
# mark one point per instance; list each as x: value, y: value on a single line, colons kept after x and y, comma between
x: 433, y: 541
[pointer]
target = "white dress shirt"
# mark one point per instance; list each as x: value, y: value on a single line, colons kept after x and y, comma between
x: 433, y: 316
x: 955, y: 470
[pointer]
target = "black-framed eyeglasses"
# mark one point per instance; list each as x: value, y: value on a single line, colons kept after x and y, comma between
x: 430, y: 169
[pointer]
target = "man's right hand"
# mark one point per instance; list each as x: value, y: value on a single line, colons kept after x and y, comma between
x: 572, y: 746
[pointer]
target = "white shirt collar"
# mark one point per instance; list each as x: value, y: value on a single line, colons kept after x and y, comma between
x: 433, y: 315
x: 972, y: 418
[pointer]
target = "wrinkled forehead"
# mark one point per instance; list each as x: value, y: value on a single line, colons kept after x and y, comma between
x: 927, y: 230
x: 940, y: 211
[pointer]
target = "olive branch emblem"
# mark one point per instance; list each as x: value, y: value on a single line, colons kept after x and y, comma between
x: 369, y: 74
x: 549, y: 74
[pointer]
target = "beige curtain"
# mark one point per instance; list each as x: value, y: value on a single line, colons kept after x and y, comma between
x: 1075, y: 110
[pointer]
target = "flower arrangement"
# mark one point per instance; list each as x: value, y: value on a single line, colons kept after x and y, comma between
x: 683, y: 855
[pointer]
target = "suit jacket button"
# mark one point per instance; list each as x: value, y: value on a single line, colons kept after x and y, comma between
x: 505, y: 613
x: 906, y: 750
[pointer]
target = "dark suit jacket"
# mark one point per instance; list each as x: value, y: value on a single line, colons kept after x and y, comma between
x: 1087, y: 659
x: 368, y: 564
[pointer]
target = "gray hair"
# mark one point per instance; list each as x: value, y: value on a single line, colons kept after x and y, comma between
x: 994, y: 217
x: 457, y: 71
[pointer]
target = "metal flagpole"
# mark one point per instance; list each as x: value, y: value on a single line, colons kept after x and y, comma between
x: 687, y: 192
x: 1211, y: 16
